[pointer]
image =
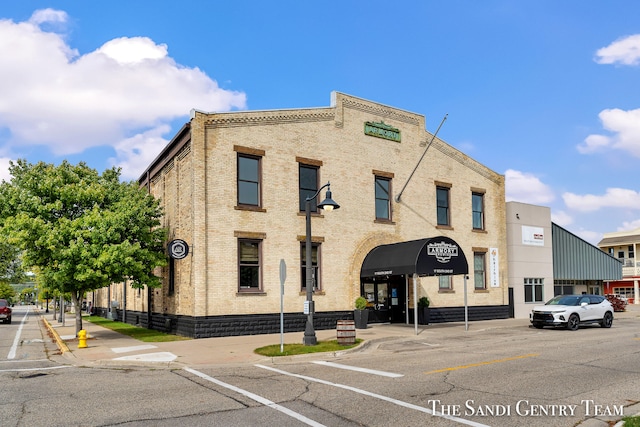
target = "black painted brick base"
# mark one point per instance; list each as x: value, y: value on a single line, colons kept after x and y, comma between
x: 255, y: 324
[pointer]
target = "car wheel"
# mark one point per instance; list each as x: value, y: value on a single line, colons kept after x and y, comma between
x: 607, y: 320
x: 573, y: 323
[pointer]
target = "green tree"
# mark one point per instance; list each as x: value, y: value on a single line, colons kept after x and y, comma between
x: 10, y: 262
x: 81, y: 229
x: 7, y: 292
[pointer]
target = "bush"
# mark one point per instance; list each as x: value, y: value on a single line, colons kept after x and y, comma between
x: 423, y: 302
x: 361, y: 303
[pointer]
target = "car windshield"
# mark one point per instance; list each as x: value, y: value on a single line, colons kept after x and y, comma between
x: 3, y: 303
x: 565, y: 300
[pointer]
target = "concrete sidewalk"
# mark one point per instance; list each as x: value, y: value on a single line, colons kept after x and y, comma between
x: 106, y: 347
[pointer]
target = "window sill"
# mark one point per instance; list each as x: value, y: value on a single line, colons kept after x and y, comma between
x: 481, y: 291
x: 254, y: 293
x: 303, y: 293
x: 444, y: 227
x: 384, y: 221
x: 446, y: 291
x: 478, y: 230
x: 249, y: 208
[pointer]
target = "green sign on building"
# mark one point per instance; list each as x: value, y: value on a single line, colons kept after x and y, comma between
x: 382, y: 130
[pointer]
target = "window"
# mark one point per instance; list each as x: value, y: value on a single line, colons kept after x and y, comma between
x: 620, y: 254
x: 477, y: 209
x: 631, y: 251
x: 315, y: 269
x: 562, y: 289
x: 308, y: 182
x: 248, y: 180
x: 533, y: 288
x: 479, y: 275
x: 383, y: 198
x: 442, y: 201
x: 445, y: 283
x: 249, y: 265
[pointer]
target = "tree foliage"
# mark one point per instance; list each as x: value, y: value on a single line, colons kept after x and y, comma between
x: 10, y: 262
x: 7, y: 292
x: 81, y: 229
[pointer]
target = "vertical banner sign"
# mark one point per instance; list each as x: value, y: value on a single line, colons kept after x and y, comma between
x: 494, y: 267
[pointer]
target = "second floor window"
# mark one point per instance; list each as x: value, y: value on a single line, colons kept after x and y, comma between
x: 477, y: 209
x: 308, y: 182
x: 442, y: 202
x: 248, y: 180
x: 383, y: 198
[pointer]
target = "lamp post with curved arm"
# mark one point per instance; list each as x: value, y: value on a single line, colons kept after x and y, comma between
x: 328, y: 205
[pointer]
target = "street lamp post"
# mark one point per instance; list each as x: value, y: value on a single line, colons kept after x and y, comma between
x: 327, y: 204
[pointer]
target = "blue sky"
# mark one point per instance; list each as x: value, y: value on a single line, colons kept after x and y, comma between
x: 545, y: 92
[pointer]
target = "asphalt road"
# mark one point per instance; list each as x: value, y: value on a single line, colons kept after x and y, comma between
x: 516, y: 376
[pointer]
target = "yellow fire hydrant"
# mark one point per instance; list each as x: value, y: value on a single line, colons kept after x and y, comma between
x: 82, y: 338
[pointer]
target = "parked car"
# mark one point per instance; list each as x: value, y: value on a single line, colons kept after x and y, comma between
x: 619, y: 302
x: 570, y: 311
x: 5, y: 311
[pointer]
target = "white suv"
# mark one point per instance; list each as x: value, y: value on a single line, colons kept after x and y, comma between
x: 570, y: 311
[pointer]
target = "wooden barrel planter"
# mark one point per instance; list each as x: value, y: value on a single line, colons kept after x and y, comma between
x: 346, y: 331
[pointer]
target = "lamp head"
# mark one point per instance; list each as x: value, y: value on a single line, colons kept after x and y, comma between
x: 328, y: 204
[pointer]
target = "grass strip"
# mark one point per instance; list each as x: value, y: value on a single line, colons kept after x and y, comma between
x: 296, y: 349
x: 142, y: 334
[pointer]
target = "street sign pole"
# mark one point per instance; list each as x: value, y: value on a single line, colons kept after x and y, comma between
x: 283, y: 277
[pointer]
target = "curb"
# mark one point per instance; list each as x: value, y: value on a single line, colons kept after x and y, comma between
x: 61, y: 345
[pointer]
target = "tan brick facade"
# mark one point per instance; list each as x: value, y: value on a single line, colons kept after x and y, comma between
x: 196, y: 179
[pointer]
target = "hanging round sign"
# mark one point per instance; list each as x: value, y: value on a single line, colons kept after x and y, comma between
x: 178, y: 249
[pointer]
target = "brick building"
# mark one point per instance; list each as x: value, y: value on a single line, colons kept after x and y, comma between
x: 233, y: 187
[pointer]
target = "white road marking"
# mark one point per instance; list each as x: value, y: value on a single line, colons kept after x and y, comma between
x: 357, y: 369
x: 16, y: 340
x: 257, y: 398
x: 33, y: 369
x: 133, y: 348
x: 378, y: 396
x: 163, y: 356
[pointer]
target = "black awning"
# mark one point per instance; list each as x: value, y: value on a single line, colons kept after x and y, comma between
x: 434, y: 256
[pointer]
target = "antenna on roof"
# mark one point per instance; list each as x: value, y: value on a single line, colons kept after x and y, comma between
x: 419, y: 161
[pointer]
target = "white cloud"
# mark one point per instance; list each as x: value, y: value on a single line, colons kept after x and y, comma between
x: 629, y: 225
x: 561, y: 218
x: 52, y: 96
x: 4, y: 169
x: 625, y: 51
x: 594, y: 143
x: 625, y: 125
x: 526, y: 188
x: 592, y: 237
x: 49, y: 16
x: 613, y: 198
x: 134, y: 154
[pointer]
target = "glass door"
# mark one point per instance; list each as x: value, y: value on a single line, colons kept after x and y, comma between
x: 377, y: 296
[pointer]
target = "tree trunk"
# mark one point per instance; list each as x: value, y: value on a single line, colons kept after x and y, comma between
x: 78, y: 309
